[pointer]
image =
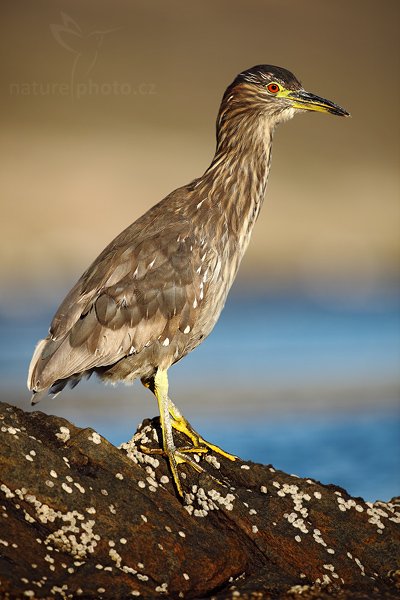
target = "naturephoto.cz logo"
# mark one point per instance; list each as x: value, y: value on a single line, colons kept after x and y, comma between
x: 85, y: 48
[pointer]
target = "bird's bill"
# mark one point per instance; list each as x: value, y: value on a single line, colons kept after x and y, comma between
x: 306, y: 101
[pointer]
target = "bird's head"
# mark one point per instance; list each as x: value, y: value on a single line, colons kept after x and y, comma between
x: 276, y: 93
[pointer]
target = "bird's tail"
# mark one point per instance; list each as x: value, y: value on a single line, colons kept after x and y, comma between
x: 31, y: 383
x: 38, y: 379
x: 43, y: 352
x: 37, y: 396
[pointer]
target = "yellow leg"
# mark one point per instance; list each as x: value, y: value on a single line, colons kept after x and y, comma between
x: 181, y: 424
x: 161, y: 393
x: 171, y: 418
x: 175, y: 455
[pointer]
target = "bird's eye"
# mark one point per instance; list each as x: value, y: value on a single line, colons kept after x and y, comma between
x: 273, y: 88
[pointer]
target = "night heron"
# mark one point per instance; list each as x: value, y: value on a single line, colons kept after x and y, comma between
x: 157, y: 290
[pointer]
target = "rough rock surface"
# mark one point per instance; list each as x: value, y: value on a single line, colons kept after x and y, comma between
x: 82, y: 518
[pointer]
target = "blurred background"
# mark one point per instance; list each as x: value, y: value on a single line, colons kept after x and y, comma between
x: 108, y: 106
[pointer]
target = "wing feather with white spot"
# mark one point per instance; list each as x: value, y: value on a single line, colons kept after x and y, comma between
x: 132, y: 296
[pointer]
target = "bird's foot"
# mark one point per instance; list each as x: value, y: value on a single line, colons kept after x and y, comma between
x: 177, y: 452
x: 181, y: 457
x: 177, y: 456
x: 216, y: 449
x: 182, y: 425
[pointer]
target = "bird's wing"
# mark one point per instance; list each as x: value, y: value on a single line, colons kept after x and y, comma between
x: 132, y: 295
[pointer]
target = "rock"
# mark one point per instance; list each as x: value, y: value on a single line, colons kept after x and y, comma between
x: 82, y: 518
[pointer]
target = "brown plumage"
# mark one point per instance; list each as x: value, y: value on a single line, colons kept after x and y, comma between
x: 157, y: 290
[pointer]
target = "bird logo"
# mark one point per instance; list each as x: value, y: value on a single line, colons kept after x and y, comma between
x: 85, y: 46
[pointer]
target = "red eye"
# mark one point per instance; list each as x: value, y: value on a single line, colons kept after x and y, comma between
x: 273, y: 88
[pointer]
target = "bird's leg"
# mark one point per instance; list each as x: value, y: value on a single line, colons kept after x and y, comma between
x: 159, y: 387
x: 200, y: 444
x: 161, y: 393
x: 170, y: 417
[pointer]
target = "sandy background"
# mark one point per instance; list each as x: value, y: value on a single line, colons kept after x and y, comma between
x: 107, y: 106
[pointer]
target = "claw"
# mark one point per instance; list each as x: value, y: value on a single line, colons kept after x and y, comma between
x: 177, y: 456
x: 201, y: 441
x: 181, y: 424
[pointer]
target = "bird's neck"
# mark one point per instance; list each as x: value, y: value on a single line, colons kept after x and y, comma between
x: 234, y: 185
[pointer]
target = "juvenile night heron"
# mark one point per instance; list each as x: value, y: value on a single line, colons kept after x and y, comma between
x: 157, y: 290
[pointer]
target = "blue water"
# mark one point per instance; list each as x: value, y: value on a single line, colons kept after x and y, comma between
x: 309, y: 385
x: 302, y: 339
x: 359, y: 452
